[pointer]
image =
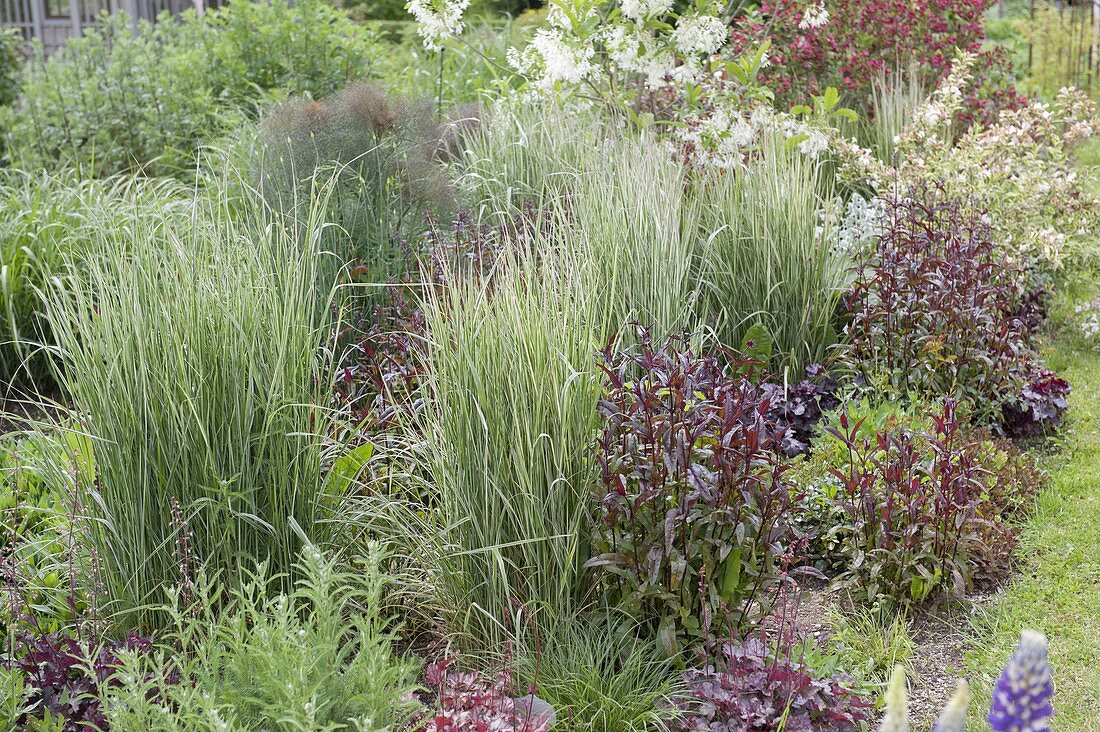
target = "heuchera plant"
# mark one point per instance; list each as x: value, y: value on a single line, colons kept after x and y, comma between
x: 1038, y: 408
x: 760, y: 686
x: 694, y: 494
x: 932, y: 309
x: 66, y: 678
x: 469, y: 702
x: 796, y: 410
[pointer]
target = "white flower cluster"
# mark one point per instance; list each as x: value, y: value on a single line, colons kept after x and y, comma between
x: 722, y: 138
x: 863, y: 221
x: 814, y: 141
x: 814, y: 17
x: 936, y: 113
x: 699, y: 35
x: 645, y: 9
x: 549, y: 59
x: 637, y: 50
x: 437, y: 20
x: 1090, y: 326
x: 641, y: 40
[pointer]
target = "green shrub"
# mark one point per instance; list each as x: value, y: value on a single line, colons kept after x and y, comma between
x: 115, y: 100
x: 193, y: 355
x: 318, y: 658
x: 293, y: 48
x: 11, y: 59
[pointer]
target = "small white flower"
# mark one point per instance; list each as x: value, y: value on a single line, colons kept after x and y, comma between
x: 642, y: 9
x: 814, y: 16
x: 549, y: 58
x: 699, y: 34
x: 437, y: 20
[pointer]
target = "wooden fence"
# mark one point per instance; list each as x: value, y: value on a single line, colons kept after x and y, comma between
x: 54, y: 21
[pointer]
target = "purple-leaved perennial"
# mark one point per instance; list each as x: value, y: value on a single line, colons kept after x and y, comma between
x: 1021, y: 699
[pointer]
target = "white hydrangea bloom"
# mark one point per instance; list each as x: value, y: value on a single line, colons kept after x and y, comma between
x: 642, y: 9
x: 437, y: 20
x: 814, y: 16
x: 699, y: 34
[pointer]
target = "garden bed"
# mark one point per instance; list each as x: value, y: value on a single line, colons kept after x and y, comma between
x: 625, y: 367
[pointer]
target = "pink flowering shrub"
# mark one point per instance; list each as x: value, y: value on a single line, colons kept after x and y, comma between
x: 864, y: 39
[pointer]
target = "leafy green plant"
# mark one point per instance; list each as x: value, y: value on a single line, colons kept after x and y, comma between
x: 115, y: 100
x: 216, y: 392
x: 305, y: 47
x: 317, y: 658
x: 12, y: 697
x: 11, y: 59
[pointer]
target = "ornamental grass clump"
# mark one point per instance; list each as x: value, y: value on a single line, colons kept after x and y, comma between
x: 194, y: 356
x: 693, y: 501
x: 771, y: 258
x: 42, y: 229
x: 509, y: 411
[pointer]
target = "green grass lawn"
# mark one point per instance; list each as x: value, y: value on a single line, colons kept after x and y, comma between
x: 1057, y: 590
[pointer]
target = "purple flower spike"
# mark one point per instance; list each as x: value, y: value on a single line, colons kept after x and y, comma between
x: 1021, y: 699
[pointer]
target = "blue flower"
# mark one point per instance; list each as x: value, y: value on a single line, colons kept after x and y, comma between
x: 1021, y: 699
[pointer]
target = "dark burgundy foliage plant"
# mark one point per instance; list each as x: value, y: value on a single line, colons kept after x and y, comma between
x: 926, y: 514
x: 66, y: 677
x: 694, y: 497
x: 1038, y: 408
x: 933, y: 310
x: 467, y: 701
x: 761, y: 686
x: 798, y: 409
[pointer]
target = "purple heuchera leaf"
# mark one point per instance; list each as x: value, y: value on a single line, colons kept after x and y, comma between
x: 1021, y: 699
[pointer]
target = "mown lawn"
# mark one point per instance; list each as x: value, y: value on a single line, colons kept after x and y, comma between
x: 1057, y: 590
